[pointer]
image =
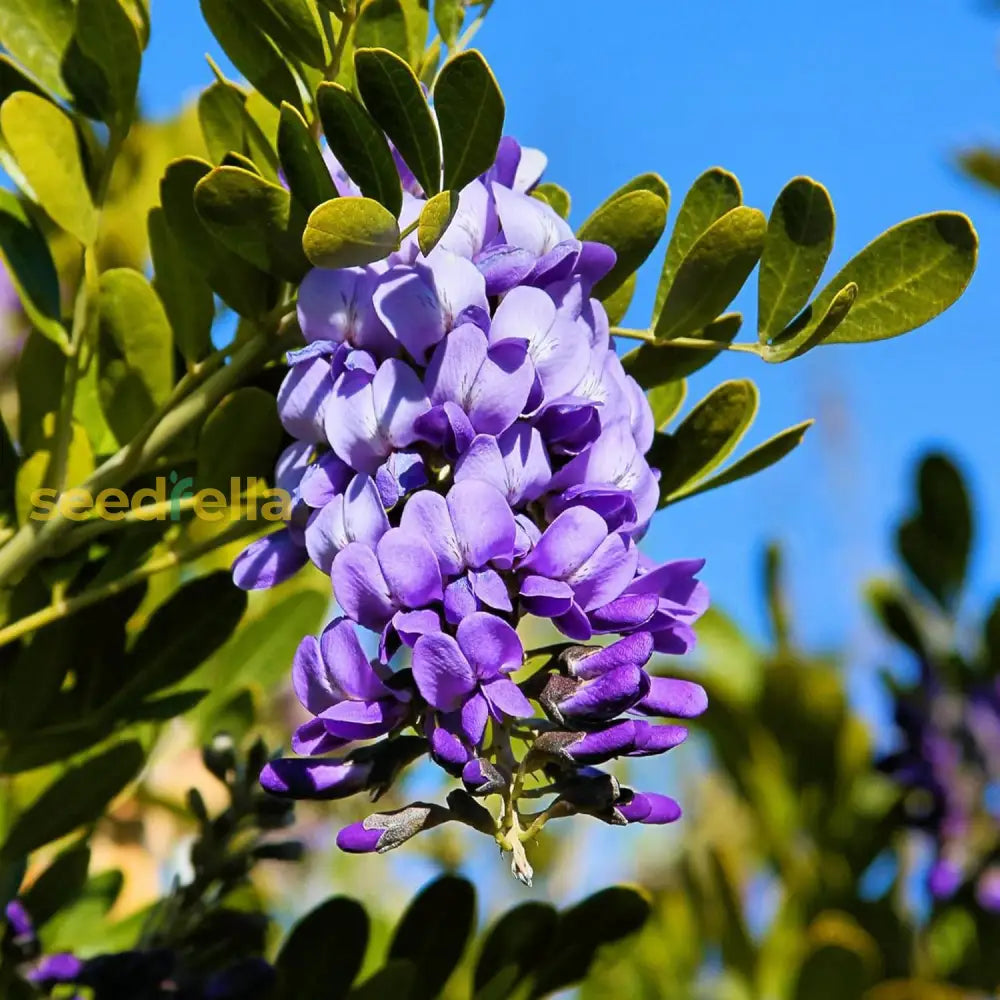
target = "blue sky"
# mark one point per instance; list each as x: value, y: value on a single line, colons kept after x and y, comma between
x: 869, y: 98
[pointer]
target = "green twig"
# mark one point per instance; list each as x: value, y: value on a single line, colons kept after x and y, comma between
x: 686, y: 343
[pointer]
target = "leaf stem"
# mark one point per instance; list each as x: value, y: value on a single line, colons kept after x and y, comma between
x: 688, y: 343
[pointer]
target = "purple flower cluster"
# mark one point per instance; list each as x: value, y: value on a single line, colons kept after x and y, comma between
x: 469, y: 451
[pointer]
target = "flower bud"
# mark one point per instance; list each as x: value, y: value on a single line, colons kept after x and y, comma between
x: 671, y: 698
x: 587, y: 662
x: 568, y: 700
x: 647, y: 807
x: 382, y: 832
x: 482, y: 778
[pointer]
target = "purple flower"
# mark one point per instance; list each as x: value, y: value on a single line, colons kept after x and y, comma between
x: 337, y: 306
x: 381, y: 832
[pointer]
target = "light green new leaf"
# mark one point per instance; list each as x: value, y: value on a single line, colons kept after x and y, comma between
x: 796, y: 340
x: 251, y: 51
x: 244, y: 288
x: 183, y: 290
x: 29, y: 264
x: 712, y: 272
x: 631, y: 224
x: 653, y: 364
x: 756, y: 460
x: 349, y: 232
x: 382, y: 24
x: 36, y: 33
x: 256, y: 219
x: 666, y: 401
x: 470, y: 112
x: 798, y: 242
x: 108, y: 37
x: 240, y: 440
x: 905, y: 278
x: 44, y: 143
x: 418, y: 22
x: 360, y: 146
x: 301, y: 161
x: 448, y: 18
x: 293, y: 26
x: 704, y: 438
x: 714, y: 193
x: 554, y: 195
x: 435, y: 219
x: 394, y: 99
x: 221, y: 117
x: 135, y: 351
x: 617, y: 303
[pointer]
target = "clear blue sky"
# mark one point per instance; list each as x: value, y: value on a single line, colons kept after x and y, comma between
x: 868, y: 97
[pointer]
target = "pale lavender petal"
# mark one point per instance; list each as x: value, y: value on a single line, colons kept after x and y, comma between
x: 489, y: 644
x: 311, y: 680
x: 325, y: 535
x: 302, y: 400
x: 426, y: 513
x: 489, y: 588
x: 483, y: 523
x: 326, y: 478
x: 567, y: 543
x: 515, y: 463
x: 398, y: 397
x: 365, y: 519
x: 443, y: 675
x: 530, y: 168
x: 504, y: 267
x: 407, y: 304
x: 475, y: 222
x: 352, y: 425
x: 360, y: 587
x: 500, y: 391
x: 455, y: 364
x: 604, y: 576
x: 337, y: 305
x: 461, y: 289
x: 529, y: 223
x: 268, y: 561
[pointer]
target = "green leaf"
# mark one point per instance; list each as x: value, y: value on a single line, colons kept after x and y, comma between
x: 394, y: 99
x: 254, y: 218
x: 772, y: 451
x: 798, y: 338
x: 59, y: 885
x: 382, y: 24
x: 241, y: 439
x: 712, y: 272
x: 448, y: 18
x: 515, y: 946
x: 76, y: 798
x: 221, y: 119
x: 435, y: 219
x: 293, y: 26
x: 936, y: 540
x: 617, y: 303
x: 905, y: 278
x: 554, y: 195
x: 36, y: 33
x: 39, y: 378
x: 705, y: 437
x: 186, y: 296
x: 244, y: 288
x: 798, y: 242
x: 323, y: 952
x: 666, y: 401
x: 348, y: 232
x: 12, y: 79
x: 394, y: 979
x: 895, y: 616
x: 651, y: 182
x: 29, y: 264
x: 251, y: 51
x: 600, y: 919
x: 433, y: 932
x: 107, y: 36
x: 712, y: 195
x: 34, y: 471
x: 652, y: 364
x: 832, y: 972
x: 306, y: 172
x: 631, y: 224
x: 983, y: 165
x: 359, y: 145
x: 470, y: 113
x: 44, y: 143
x: 135, y: 351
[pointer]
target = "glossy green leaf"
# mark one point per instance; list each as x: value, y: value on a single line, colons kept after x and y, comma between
x: 292, y: 25
x: 13, y: 79
x: 302, y: 163
x: 448, y: 18
x: 323, y: 952
x: 138, y: 11
x: 433, y: 932
x: 394, y: 99
x: 651, y: 182
x: 712, y: 195
x: 905, y: 278
x: 244, y: 288
x: 240, y: 440
x: 221, y: 119
x: 617, y: 303
x: 554, y: 195
x: 652, y: 364
x: 470, y: 113
x: 802, y: 335
x: 358, y: 143
x: 705, y: 437
x: 26, y: 256
x: 515, y: 945
x: 631, y: 224
x: 666, y: 401
x: 798, y: 242
x: 43, y: 141
x: 256, y: 219
x: 36, y: 33
x: 59, y: 885
x: 435, y: 218
x: 186, y: 296
x: 418, y: 22
x: 251, y: 51
x: 135, y: 351
x: 382, y: 24
x: 772, y: 451
x: 39, y: 378
x: 76, y: 798
x: 107, y: 36
x: 936, y: 540
x: 600, y: 919
x: 348, y: 232
x: 712, y: 272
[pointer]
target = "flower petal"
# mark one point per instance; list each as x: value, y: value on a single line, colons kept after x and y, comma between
x: 427, y: 514
x: 490, y: 645
x: 483, y: 523
x: 399, y: 398
x: 443, y: 675
x: 347, y: 664
x: 567, y: 543
x: 360, y: 587
x: 268, y: 561
x: 505, y: 698
x: 409, y: 567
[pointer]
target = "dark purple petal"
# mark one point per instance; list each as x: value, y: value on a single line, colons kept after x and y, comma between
x: 312, y: 739
x: 297, y: 778
x: 672, y: 698
x: 544, y: 597
x: 651, y: 740
x: 443, y: 675
x: 459, y: 600
x: 489, y: 588
x: 633, y: 650
x: 505, y: 698
x: 489, y: 644
x: 358, y: 839
x: 624, y: 613
x: 346, y: 663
